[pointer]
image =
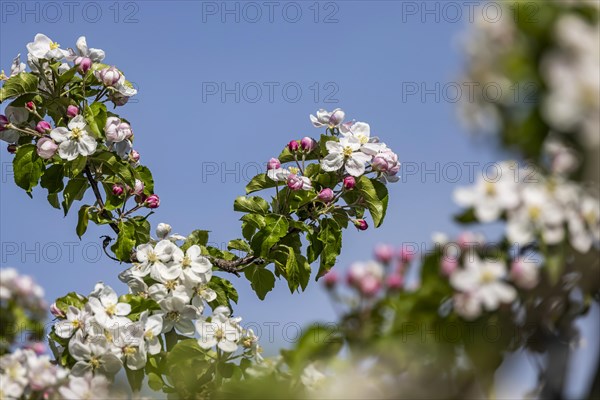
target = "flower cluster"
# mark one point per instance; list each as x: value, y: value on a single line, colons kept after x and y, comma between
x: 370, y: 278
x: 103, y: 332
x: 550, y: 209
x: 26, y: 374
x: 23, y: 292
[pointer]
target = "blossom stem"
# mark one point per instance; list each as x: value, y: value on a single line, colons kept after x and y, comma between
x: 94, y: 185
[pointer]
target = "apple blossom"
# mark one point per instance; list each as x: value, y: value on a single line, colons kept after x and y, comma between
x: 152, y: 201
x: 94, y: 355
x: 134, y: 156
x: 308, y: 144
x: 326, y: 195
x: 3, y: 122
x: 293, y: 145
x: 43, y: 127
x: 218, y: 333
x: 72, y: 111
x: 349, y: 182
x: 394, y: 281
x: 384, y: 253
x: 11, y: 148
x: 107, y: 309
x: 74, y: 319
x: 30, y: 105
x: 524, y: 273
x: 117, y: 190
x: 74, y: 141
x: 43, y: 47
x: 88, y: 386
x: 328, y: 119
x: 177, y: 314
x: 406, y: 255
x: 153, y: 326
x: 17, y: 66
x: 94, y: 55
x: 345, y: 153
x: 194, y: 265
x: 273, y: 163
x: 330, y: 279
x: 163, y: 230
x: 361, y: 133
x: 108, y: 76
x: 483, y: 280
x: 156, y: 260
x: 46, y: 148
x: 84, y: 64
x: 298, y: 182
x: 116, y: 130
x: 361, y: 224
x: 138, y: 188
x: 449, y: 265
x: 57, y: 312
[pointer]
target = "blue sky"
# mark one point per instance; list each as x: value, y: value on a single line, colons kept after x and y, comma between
x: 204, y: 139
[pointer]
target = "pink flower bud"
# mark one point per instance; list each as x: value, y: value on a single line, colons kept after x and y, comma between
x: 326, y: 195
x: 394, y: 281
x: 379, y: 164
x: 134, y: 156
x: 449, y: 265
x: 109, y: 76
x: 11, y: 148
x: 43, y: 126
x: 369, y: 286
x: 384, y: 253
x: 295, y: 182
x: 138, y: 190
x: 349, y: 182
x: 273, y: 163
x: 46, y: 148
x: 83, y: 64
x: 525, y: 274
x: 117, y: 189
x: 361, y: 224
x: 293, y: 146
x: 152, y: 201
x: 3, y: 122
x: 38, y: 348
x: 57, y: 312
x: 330, y: 279
x: 406, y: 255
x: 72, y: 111
x: 30, y: 105
x: 308, y: 144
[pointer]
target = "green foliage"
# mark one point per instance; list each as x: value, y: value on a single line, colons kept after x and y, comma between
x: 18, y: 85
x: 28, y: 167
x: 261, y: 279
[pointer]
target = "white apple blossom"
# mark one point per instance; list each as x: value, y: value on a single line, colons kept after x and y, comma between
x: 345, y: 153
x: 116, y: 130
x: 88, y: 386
x: 525, y: 273
x: 176, y: 313
x: 107, y: 309
x: 74, y: 141
x: 361, y: 131
x: 482, y: 281
x: 155, y: 260
x: 218, y: 332
x: 328, y: 119
x: 43, y: 47
x: 490, y: 198
x: 96, y: 55
x: 193, y: 264
x: 94, y: 355
x: 75, y: 319
x: 153, y: 325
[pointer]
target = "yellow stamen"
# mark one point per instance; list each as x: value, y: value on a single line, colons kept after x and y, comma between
x: 54, y: 46
x: 186, y: 262
x: 363, y: 139
x: 152, y: 257
x: 348, y: 151
x: 76, y: 133
x: 487, y: 277
x: 534, y: 212
x: 490, y: 189
x: 111, y: 310
x: 294, y: 170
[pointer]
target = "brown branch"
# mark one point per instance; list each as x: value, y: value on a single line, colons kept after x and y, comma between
x: 94, y: 185
x: 235, y: 266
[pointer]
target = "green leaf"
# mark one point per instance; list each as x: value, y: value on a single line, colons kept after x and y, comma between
x: 65, y: 77
x: 144, y: 175
x: 330, y: 236
x: 52, y: 179
x: 74, y: 190
x: 70, y: 299
x: 155, y: 381
x: 275, y: 228
x: 297, y: 270
x: 28, y: 167
x: 260, y: 182
x: 239, y: 244
x: 82, y: 221
x: 466, y: 217
x: 18, y: 85
x: 197, y: 237
x: 315, y: 246
x: 125, y: 241
x: 113, y: 165
x: 95, y: 116
x: 262, y: 280
x: 135, y: 378
x: 75, y: 167
x: 323, y: 143
x: 53, y: 200
x: 375, y: 195
x: 254, y: 204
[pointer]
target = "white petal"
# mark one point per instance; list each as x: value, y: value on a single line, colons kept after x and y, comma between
x: 355, y: 167
x: 332, y: 162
